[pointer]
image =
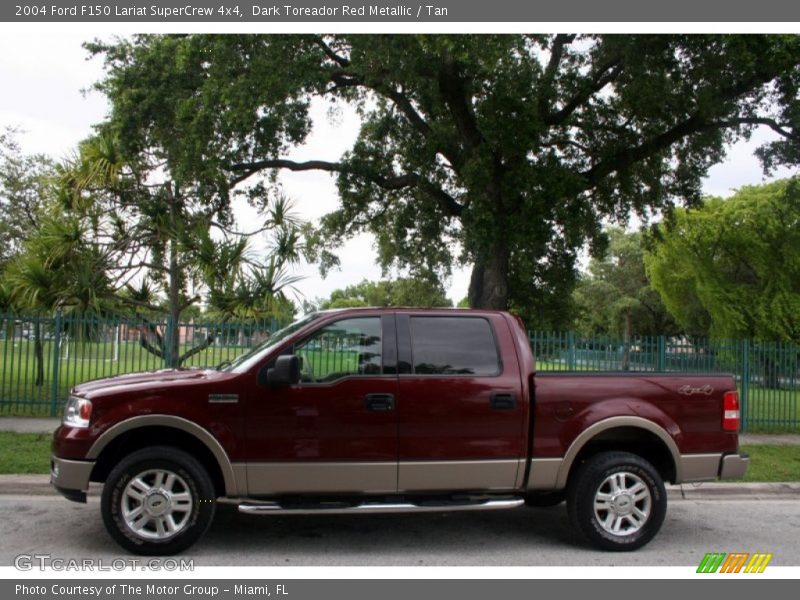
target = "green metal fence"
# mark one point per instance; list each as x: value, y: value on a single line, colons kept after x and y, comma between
x: 767, y: 374
x: 41, y: 358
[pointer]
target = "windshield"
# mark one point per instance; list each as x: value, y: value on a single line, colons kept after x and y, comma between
x: 245, y: 361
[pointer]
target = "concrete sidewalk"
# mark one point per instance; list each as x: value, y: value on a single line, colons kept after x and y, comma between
x: 29, y: 424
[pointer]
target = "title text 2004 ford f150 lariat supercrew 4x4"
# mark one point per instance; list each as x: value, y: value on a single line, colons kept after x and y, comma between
x: 377, y: 410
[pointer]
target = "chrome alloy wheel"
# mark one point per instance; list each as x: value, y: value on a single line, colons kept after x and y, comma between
x: 622, y: 503
x: 156, y: 504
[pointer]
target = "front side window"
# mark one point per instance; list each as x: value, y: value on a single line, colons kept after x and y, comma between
x: 344, y: 348
x: 252, y: 357
x: 453, y: 346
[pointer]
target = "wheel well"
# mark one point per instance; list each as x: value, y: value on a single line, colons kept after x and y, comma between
x: 634, y: 440
x: 142, y: 437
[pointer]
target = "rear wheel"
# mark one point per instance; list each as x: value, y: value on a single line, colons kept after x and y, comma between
x: 157, y: 501
x: 617, y: 501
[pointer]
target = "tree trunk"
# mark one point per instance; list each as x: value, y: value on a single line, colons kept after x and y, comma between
x: 172, y: 337
x: 488, y: 286
x: 770, y: 373
x: 626, y: 342
x: 38, y: 352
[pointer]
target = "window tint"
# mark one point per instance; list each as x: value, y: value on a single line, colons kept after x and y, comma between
x: 453, y: 346
x: 347, y: 347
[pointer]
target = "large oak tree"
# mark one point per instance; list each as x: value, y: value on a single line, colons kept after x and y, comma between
x: 504, y: 152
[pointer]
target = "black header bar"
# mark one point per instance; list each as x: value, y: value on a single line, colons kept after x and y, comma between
x: 388, y: 11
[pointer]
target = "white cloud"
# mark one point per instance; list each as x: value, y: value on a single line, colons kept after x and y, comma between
x: 741, y: 167
x: 42, y: 77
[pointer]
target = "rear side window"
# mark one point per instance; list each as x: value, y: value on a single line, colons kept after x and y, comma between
x: 453, y: 346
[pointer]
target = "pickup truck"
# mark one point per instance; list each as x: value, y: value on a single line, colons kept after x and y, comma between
x: 392, y: 409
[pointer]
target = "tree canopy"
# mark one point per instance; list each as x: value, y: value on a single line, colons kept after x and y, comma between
x: 398, y: 292
x: 615, y: 297
x: 732, y: 266
x: 25, y: 185
x: 503, y: 152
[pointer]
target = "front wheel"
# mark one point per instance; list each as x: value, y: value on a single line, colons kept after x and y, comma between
x: 158, y: 500
x: 617, y: 501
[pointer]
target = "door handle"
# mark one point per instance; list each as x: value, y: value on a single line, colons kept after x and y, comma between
x: 379, y: 402
x: 503, y: 401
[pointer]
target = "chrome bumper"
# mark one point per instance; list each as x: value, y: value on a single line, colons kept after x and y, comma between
x: 733, y: 466
x: 71, y: 477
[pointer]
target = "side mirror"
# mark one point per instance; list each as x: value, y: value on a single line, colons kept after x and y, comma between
x: 285, y: 372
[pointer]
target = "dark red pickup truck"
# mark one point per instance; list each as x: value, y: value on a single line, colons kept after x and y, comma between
x: 378, y: 410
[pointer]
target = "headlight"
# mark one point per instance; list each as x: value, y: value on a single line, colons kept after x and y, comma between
x: 78, y: 412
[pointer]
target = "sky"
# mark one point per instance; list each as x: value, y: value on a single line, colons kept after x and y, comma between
x: 44, y: 78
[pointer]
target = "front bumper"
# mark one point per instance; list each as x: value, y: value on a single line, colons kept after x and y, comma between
x: 71, y: 477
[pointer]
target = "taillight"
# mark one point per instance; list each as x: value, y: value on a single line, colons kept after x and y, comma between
x: 730, y: 411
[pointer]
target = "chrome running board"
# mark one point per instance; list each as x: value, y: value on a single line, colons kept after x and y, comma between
x: 274, y: 508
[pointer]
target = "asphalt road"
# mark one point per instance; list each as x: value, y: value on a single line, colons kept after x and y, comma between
x: 524, y: 536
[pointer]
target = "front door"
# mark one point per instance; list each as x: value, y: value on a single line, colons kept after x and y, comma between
x: 335, y: 431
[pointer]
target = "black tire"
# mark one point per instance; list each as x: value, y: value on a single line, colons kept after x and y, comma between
x: 191, y: 481
x: 592, y: 478
x: 544, y: 499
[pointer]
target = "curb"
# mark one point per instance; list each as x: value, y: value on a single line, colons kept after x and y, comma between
x: 734, y: 491
x: 39, y: 485
x: 36, y: 485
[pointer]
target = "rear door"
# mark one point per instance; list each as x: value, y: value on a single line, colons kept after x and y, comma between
x: 461, y: 417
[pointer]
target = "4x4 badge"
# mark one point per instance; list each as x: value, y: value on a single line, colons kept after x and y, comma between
x: 689, y: 390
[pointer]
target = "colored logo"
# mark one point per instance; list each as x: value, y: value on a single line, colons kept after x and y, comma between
x: 735, y: 562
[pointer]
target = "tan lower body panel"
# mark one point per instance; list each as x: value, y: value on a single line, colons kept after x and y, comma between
x: 240, y: 477
x: 691, y: 467
x: 699, y: 467
x: 321, y: 477
x: 544, y: 473
x: 377, y: 477
x: 453, y: 475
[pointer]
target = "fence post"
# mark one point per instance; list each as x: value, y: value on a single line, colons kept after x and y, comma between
x: 745, y: 382
x: 571, y: 359
x: 661, y: 363
x: 54, y: 399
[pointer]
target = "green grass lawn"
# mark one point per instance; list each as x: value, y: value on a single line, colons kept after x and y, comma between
x: 773, y: 463
x: 22, y: 453
x: 30, y: 453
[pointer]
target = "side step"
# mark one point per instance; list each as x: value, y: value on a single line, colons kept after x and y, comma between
x: 274, y: 508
